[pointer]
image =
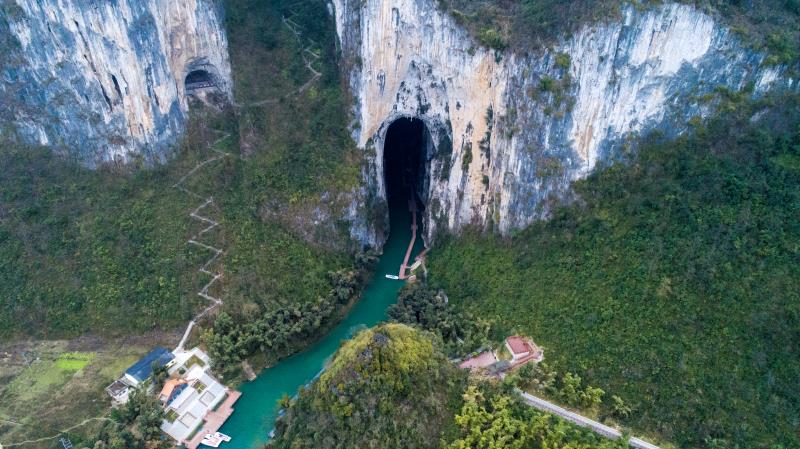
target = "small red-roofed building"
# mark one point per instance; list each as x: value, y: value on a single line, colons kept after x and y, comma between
x: 523, y: 350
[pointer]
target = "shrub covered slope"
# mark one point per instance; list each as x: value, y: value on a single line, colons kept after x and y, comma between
x: 769, y: 25
x: 673, y: 281
x: 105, y: 251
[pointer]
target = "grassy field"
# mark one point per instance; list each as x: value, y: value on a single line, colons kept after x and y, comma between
x: 672, y: 282
x: 51, y: 385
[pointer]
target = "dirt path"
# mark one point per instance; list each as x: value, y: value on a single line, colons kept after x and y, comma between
x: 309, y: 57
x: 39, y: 440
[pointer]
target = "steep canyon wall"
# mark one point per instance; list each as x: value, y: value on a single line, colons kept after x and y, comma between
x: 511, y: 131
x: 105, y: 79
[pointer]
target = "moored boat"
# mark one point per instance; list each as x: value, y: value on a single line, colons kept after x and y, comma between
x: 214, y: 439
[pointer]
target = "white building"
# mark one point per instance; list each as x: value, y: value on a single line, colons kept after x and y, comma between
x: 193, y: 398
x: 138, y: 373
x: 186, y: 408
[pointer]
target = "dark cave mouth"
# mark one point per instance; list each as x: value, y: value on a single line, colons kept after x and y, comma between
x: 404, y: 166
x: 199, y: 79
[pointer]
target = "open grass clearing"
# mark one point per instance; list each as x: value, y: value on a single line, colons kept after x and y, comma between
x: 53, y: 385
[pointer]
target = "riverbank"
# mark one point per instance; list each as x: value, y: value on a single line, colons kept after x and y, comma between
x: 262, y: 361
x: 257, y: 410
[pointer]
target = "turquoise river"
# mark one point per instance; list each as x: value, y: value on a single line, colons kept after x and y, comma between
x: 256, y: 410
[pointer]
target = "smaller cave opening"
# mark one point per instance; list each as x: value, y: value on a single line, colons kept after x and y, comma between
x: 198, y: 79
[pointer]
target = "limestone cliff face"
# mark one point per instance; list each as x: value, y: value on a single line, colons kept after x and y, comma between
x: 106, y: 78
x: 510, y: 132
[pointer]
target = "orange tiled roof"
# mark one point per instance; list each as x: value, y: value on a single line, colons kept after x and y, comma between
x: 169, y: 387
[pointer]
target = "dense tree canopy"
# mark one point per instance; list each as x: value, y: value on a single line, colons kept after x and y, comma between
x: 280, y: 331
x: 672, y: 282
x: 419, y: 305
x: 389, y: 386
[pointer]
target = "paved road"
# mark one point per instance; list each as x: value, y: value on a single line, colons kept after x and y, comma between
x: 602, y: 429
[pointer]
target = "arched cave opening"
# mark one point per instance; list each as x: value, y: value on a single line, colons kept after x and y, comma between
x: 404, y: 162
x: 198, y: 79
x: 405, y: 175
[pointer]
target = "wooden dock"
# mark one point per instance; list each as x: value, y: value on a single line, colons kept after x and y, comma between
x: 412, y: 207
x: 214, y: 419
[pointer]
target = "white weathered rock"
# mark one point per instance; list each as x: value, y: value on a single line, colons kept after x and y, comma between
x: 107, y: 78
x: 408, y: 59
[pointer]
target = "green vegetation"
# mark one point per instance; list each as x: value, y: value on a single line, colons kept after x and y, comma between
x: 492, y: 39
x: 549, y: 167
x: 770, y: 25
x: 281, y: 331
x: 136, y: 425
x: 74, y: 361
x: 460, y: 334
x: 672, y: 281
x: 466, y: 158
x: 554, y: 93
x: 88, y: 251
x: 387, y: 387
x: 48, y: 386
x: 492, y: 419
x: 566, y: 389
x: 391, y: 387
x: 423, y: 307
x: 171, y: 415
x: 562, y: 61
x: 299, y: 143
x: 194, y: 360
x: 104, y: 251
x: 45, y: 376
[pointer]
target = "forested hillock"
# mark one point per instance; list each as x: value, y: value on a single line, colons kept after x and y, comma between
x: 392, y: 387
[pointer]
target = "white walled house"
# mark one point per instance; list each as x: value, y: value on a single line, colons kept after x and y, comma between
x: 195, y: 402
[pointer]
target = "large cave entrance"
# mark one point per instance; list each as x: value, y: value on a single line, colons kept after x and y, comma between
x: 405, y: 170
x: 404, y: 167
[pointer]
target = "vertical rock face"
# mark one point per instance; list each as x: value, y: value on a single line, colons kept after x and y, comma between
x: 106, y: 79
x: 509, y: 132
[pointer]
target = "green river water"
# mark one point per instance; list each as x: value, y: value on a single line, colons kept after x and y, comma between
x: 256, y: 410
